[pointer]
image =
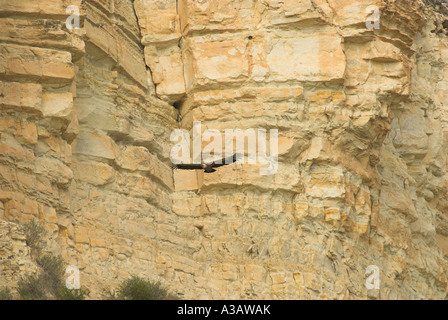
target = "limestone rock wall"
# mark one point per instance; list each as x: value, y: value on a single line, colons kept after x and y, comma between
x: 15, y: 255
x: 86, y: 118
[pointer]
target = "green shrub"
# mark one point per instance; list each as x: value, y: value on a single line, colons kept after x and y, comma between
x: 5, y: 294
x: 32, y: 288
x: 140, y: 289
x: 52, y: 274
x: 34, y: 234
x: 70, y: 294
x: 49, y: 283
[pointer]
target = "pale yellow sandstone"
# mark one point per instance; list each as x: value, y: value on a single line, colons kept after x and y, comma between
x: 86, y: 119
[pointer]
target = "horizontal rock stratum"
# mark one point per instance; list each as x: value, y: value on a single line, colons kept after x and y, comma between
x: 86, y: 117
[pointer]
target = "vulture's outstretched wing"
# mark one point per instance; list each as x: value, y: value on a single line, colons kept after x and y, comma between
x: 189, y: 166
x: 225, y: 161
x: 207, y: 167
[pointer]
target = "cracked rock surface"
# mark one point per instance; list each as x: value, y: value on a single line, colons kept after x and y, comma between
x: 362, y: 114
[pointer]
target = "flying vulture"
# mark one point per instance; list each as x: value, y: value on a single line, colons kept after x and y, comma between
x: 207, y: 167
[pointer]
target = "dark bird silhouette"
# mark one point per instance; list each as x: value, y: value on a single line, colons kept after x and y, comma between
x: 207, y: 167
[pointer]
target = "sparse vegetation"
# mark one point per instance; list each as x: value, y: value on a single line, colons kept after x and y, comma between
x: 31, y: 288
x: 34, y: 234
x: 49, y: 284
x: 5, y: 294
x: 52, y: 272
x: 137, y: 288
x: 64, y: 293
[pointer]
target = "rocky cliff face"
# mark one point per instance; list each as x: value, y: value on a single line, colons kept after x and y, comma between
x: 86, y: 118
